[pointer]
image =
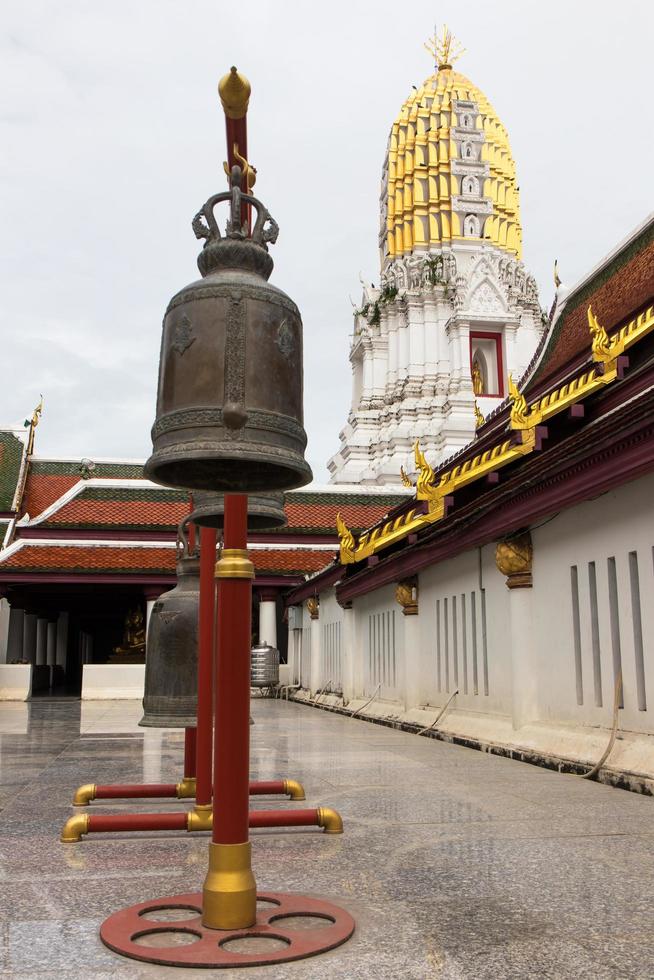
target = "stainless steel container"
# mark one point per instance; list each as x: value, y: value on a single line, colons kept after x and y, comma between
x: 264, y: 665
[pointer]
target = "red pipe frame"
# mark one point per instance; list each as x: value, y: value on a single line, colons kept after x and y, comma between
x: 143, y: 822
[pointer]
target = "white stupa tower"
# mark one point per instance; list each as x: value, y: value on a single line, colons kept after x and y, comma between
x: 455, y: 311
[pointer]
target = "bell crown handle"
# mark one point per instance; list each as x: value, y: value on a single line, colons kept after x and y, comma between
x: 183, y: 540
x: 205, y: 225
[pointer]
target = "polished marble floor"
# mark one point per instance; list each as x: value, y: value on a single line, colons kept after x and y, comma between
x: 455, y: 864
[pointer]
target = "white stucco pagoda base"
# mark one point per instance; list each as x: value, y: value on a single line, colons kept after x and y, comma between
x: 110, y: 682
x: 15, y: 682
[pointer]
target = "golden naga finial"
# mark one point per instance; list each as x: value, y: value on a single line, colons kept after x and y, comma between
x: 557, y: 280
x: 445, y: 49
x: 479, y: 418
x: 32, y: 423
x: 602, y: 346
x: 426, y: 476
x: 346, y: 538
x: 519, y: 407
x: 249, y: 172
x: 234, y: 91
x: 406, y: 479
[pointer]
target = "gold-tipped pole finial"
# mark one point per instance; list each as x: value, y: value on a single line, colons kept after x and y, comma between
x: 234, y: 91
x: 445, y: 49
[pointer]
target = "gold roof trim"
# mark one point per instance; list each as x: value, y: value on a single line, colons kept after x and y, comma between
x: 524, y: 425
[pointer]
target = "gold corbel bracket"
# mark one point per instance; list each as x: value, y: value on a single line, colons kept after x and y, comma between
x: 406, y: 594
x: 513, y: 557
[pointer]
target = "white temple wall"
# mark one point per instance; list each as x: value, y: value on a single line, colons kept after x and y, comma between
x: 545, y: 655
x: 594, y: 610
x: 381, y: 646
x: 331, y: 642
x: 463, y: 616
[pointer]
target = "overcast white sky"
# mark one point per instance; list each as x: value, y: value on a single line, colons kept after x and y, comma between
x: 112, y: 136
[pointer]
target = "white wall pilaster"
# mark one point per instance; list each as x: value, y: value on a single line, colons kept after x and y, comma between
x: 268, y: 621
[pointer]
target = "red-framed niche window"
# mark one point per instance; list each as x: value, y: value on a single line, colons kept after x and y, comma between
x: 487, y: 364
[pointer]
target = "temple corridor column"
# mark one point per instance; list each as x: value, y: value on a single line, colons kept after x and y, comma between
x: 15, y: 636
x: 313, y: 608
x: 62, y: 640
x: 513, y: 557
x: 29, y: 638
x: 41, y: 641
x: 268, y: 617
x: 51, y: 643
x: 5, y: 616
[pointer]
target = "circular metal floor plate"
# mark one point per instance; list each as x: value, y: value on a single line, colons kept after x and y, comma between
x: 289, y: 927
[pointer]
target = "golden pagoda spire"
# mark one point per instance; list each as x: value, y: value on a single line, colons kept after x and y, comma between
x: 445, y: 49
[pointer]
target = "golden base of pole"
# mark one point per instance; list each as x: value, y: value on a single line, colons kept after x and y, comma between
x: 185, y: 790
x: 229, y: 896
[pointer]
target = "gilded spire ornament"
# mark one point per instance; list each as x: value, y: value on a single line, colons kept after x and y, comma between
x: 406, y: 479
x: 445, y: 50
x: 519, y: 407
x: 346, y: 539
x: 557, y: 280
x: 32, y: 424
x: 479, y: 418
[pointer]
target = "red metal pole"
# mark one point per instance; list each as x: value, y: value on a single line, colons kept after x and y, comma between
x: 231, y: 746
x: 207, y: 613
x: 189, y: 753
x: 229, y: 897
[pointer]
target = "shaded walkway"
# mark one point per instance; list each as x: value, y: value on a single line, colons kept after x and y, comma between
x: 455, y: 864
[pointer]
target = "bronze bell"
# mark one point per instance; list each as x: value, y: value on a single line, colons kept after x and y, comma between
x: 229, y: 404
x: 265, y: 510
x: 171, y: 659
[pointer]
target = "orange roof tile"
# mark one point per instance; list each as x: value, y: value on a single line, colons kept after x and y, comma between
x: 78, y: 558
x: 42, y: 490
x: 287, y: 561
x: 118, y: 559
x: 323, y: 516
x: 120, y: 513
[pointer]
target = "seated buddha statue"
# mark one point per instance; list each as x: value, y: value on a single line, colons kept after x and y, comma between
x: 132, y: 649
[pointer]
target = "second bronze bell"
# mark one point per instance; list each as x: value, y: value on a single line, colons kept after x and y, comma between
x: 171, y: 662
x: 265, y: 510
